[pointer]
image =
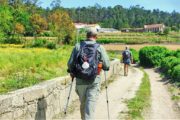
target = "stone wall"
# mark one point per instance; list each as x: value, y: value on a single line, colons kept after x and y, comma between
x: 43, y: 101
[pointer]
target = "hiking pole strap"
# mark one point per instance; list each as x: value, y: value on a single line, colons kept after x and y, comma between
x: 69, y: 96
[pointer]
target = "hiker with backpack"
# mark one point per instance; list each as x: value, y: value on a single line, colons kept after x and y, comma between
x: 127, y: 59
x: 85, y: 64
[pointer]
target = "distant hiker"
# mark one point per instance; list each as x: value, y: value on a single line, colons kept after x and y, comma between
x: 127, y: 59
x: 86, y: 61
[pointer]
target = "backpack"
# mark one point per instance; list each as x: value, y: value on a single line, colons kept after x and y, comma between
x: 126, y: 55
x: 86, y: 62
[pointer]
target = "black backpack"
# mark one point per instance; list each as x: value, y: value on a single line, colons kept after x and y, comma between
x: 126, y: 55
x: 87, y: 53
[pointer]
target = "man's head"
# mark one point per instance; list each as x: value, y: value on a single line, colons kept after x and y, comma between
x: 92, y: 35
x: 127, y: 47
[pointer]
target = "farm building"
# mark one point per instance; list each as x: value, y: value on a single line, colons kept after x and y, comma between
x: 95, y: 27
x: 154, y: 28
x: 106, y: 30
x: 132, y: 30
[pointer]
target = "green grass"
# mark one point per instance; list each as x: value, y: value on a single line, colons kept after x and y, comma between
x: 24, y: 67
x: 21, y: 68
x: 137, y: 104
x: 114, y: 54
x: 174, y: 90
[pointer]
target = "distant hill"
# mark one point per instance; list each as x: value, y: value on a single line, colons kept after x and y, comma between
x: 119, y: 17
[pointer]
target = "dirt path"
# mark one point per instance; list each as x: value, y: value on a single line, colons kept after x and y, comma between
x: 162, y: 107
x: 121, y: 89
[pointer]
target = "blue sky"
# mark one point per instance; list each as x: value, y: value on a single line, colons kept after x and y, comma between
x: 165, y: 5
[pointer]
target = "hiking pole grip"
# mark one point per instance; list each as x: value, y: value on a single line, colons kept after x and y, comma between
x: 107, y: 100
x: 69, y: 96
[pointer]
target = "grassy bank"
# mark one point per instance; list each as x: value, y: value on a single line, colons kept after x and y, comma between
x: 21, y: 68
x: 137, y: 104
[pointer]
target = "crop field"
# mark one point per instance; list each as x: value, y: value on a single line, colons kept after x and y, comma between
x: 135, y: 38
x: 121, y: 47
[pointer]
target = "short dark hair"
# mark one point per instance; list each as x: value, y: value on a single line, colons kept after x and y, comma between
x: 91, y: 34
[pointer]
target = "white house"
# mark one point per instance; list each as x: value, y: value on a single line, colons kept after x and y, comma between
x: 154, y: 28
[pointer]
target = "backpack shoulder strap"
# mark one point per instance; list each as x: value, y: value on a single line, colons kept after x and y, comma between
x: 82, y: 44
x: 96, y: 45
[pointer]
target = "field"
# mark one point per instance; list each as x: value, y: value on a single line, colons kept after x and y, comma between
x: 23, y: 67
x: 121, y: 47
x: 20, y: 67
x: 135, y: 38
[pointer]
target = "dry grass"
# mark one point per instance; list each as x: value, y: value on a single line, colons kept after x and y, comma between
x: 139, y: 46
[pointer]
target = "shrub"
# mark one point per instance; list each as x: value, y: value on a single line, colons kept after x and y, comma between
x: 12, y: 41
x: 152, y: 56
x: 170, y: 53
x: 38, y: 43
x: 67, y: 39
x: 176, y: 73
x: 51, y: 45
x: 167, y: 64
x: 177, y: 53
x: 135, y: 55
x: 47, y: 34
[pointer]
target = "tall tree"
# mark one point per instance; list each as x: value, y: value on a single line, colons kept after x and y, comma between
x: 38, y: 23
x: 61, y: 24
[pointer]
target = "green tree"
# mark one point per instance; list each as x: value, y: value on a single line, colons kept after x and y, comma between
x: 166, y: 32
x: 62, y: 26
x: 6, y: 19
x: 38, y: 23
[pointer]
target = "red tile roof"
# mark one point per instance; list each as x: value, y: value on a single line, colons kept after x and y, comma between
x: 154, y: 26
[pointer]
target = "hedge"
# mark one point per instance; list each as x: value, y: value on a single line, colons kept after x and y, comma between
x: 168, y: 64
x: 176, y: 73
x: 168, y: 61
x: 152, y: 56
x: 135, y: 55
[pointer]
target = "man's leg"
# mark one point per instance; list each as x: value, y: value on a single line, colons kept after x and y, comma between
x: 124, y: 69
x: 127, y: 69
x: 81, y: 91
x: 91, y: 98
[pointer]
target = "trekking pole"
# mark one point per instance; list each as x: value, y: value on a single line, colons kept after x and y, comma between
x: 68, y: 97
x: 107, y: 95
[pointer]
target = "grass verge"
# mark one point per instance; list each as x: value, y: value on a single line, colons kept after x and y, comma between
x: 137, y: 104
x: 23, y: 67
x: 175, y: 92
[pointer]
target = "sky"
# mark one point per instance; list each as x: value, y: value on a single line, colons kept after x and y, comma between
x: 164, y: 5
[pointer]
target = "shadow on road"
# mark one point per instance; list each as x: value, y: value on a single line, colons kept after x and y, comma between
x: 41, y: 109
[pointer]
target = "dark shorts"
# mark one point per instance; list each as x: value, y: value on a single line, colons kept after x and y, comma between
x: 128, y: 61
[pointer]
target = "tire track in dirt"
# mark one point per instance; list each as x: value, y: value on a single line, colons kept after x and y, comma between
x: 162, y: 107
